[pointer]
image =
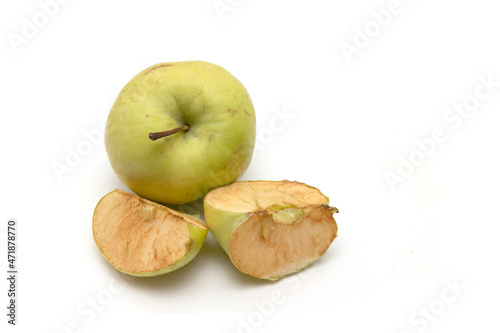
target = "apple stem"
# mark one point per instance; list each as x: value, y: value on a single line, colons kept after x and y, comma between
x: 159, y: 135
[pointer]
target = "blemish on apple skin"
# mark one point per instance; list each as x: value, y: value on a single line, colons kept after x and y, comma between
x: 246, y: 113
x: 238, y: 149
x: 156, y: 67
x: 232, y: 112
x: 147, y: 116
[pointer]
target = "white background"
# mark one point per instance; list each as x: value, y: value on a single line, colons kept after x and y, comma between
x: 420, y: 256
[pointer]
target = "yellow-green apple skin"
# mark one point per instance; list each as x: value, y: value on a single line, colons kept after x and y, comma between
x: 182, y: 167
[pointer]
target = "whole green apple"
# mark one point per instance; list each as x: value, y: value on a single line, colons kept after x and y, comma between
x: 178, y: 130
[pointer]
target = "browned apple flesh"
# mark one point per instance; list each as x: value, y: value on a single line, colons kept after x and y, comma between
x: 141, y: 237
x: 287, y: 226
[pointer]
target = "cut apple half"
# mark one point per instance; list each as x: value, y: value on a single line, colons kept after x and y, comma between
x: 270, y: 229
x: 143, y: 238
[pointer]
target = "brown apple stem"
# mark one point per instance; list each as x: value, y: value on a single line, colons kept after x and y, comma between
x: 159, y: 135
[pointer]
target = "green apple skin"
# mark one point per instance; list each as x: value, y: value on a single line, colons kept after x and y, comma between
x: 198, y: 236
x: 222, y: 224
x: 216, y: 149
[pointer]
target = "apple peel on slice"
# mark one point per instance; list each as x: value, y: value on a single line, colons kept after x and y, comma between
x: 140, y: 237
x: 270, y: 229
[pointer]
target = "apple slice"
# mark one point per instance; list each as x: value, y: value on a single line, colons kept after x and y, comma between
x: 270, y: 228
x: 143, y: 238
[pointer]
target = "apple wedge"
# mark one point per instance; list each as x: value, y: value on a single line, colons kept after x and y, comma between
x: 270, y: 228
x: 143, y: 238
